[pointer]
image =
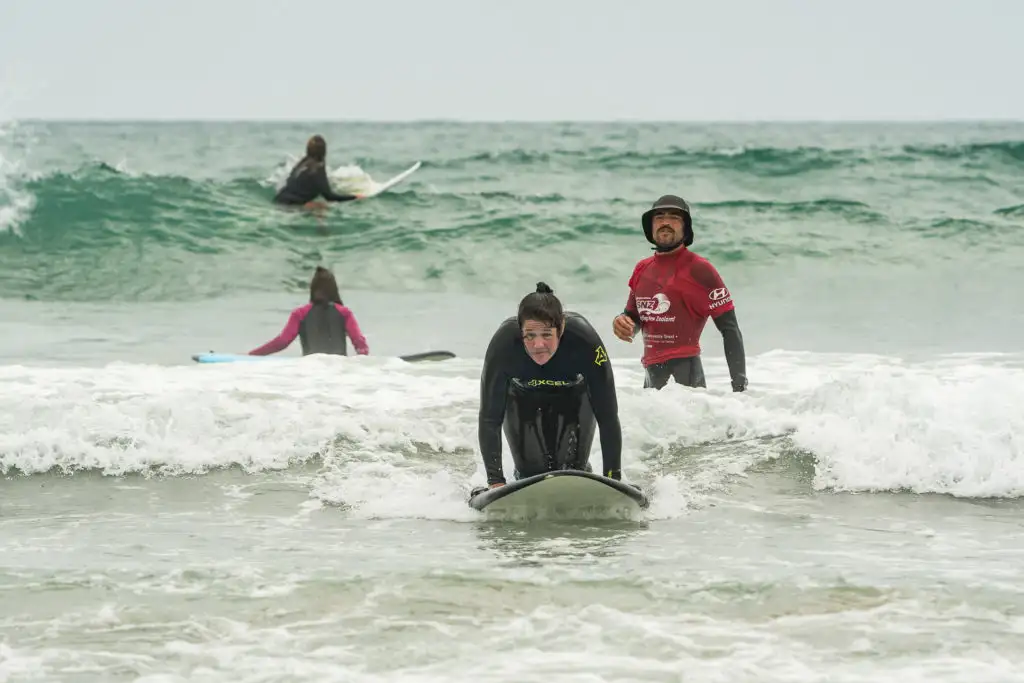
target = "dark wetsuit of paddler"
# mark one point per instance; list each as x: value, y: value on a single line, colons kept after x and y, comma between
x: 548, y: 382
x: 308, y: 179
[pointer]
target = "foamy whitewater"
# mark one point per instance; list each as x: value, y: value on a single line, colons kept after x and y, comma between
x: 855, y: 516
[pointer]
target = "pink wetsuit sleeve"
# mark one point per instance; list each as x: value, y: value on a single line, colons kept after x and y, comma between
x: 353, y: 331
x: 281, y: 341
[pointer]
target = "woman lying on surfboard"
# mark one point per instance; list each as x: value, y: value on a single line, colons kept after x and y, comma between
x: 308, y: 179
x: 547, y: 381
x: 321, y: 325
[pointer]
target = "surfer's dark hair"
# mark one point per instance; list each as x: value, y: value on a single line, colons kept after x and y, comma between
x: 323, y: 288
x: 316, y: 148
x: 543, y: 306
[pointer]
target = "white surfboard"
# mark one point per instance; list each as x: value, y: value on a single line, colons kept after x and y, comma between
x: 376, y: 188
x: 354, y: 180
x: 563, y: 494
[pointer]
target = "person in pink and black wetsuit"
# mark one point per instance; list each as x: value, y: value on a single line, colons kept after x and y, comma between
x: 322, y: 325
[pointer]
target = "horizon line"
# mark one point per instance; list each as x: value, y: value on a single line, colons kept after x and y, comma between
x: 471, y: 121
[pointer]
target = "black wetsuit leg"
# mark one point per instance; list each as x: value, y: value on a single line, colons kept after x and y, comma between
x: 686, y: 371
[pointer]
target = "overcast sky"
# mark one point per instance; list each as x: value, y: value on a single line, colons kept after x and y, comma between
x: 512, y: 59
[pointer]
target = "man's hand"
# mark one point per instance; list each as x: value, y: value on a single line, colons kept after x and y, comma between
x: 497, y: 484
x: 623, y: 327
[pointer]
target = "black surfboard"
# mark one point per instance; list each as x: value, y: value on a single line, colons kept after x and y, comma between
x: 427, y: 355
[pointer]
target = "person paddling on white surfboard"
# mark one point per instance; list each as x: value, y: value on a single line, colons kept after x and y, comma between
x: 547, y: 380
x: 308, y: 180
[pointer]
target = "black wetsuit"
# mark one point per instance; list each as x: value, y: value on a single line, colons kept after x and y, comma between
x: 307, y: 181
x: 549, y: 412
x: 323, y: 331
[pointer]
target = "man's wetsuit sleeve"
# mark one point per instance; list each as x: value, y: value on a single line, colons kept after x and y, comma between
x: 601, y: 388
x: 493, y: 394
x: 722, y: 309
x: 735, y: 356
x: 631, y: 309
x: 323, y: 186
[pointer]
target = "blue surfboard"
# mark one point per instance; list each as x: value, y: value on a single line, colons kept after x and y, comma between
x: 212, y: 357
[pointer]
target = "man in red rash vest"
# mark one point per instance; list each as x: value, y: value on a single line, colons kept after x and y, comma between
x: 671, y: 295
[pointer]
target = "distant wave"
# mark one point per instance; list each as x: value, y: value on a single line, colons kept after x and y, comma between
x: 101, y: 232
x: 1017, y: 210
x: 1008, y: 151
x: 757, y: 161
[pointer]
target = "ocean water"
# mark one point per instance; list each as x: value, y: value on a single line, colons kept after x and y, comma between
x: 855, y: 516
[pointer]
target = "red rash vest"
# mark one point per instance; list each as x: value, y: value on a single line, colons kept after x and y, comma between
x: 674, y: 294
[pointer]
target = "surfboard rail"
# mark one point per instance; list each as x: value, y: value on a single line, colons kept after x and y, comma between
x: 595, y: 492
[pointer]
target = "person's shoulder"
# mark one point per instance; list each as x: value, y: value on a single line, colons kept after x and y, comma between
x: 585, y: 339
x: 639, y: 268
x: 696, y: 258
x: 577, y: 325
x: 309, y: 166
x: 703, y: 271
x: 643, y: 263
x: 509, y: 327
x: 504, y: 336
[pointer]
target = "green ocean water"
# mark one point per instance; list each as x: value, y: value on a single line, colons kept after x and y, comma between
x: 804, y: 221
x: 854, y: 516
